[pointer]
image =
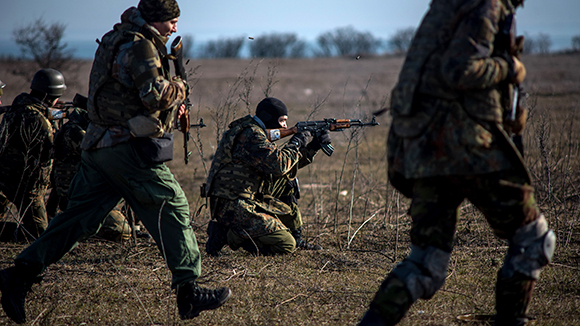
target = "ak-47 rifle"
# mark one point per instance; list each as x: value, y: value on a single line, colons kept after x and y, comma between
x: 61, y: 109
x: 184, y: 125
x: 512, y: 45
x: 317, y: 127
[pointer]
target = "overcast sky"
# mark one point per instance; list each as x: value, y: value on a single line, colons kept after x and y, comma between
x: 211, y: 19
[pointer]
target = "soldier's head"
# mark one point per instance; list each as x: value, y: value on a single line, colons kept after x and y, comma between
x: 273, y: 113
x: 47, y: 85
x: 517, y: 3
x: 2, y: 85
x: 161, y: 14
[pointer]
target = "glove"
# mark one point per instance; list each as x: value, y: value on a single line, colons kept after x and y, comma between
x: 299, y: 140
x: 517, y: 126
x: 518, y: 73
x: 321, y: 139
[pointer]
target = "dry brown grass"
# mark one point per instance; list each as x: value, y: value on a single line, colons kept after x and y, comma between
x: 101, y: 283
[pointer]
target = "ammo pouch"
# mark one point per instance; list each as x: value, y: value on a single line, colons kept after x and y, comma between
x: 154, y: 150
x: 145, y: 126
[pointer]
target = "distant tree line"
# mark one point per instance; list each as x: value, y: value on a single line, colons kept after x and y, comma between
x: 42, y: 43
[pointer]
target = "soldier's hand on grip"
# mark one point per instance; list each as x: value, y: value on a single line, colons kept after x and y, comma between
x: 321, y: 139
x: 300, y: 139
x: 519, y: 123
x: 519, y: 71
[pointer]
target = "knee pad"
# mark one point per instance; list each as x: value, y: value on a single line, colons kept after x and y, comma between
x: 531, y: 248
x: 423, y: 271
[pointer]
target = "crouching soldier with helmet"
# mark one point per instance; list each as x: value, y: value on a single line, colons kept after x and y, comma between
x: 27, y: 137
x: 67, y: 160
x: 252, y: 187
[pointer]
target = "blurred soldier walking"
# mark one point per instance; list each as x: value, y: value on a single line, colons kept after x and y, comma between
x: 132, y: 102
x: 449, y: 141
x: 252, y: 186
x: 26, y: 138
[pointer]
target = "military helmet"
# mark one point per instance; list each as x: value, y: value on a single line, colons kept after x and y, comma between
x: 48, y: 81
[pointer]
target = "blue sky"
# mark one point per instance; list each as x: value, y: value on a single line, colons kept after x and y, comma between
x: 211, y: 19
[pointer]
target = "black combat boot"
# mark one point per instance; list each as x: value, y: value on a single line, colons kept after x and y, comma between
x: 217, y: 238
x: 15, y: 285
x: 192, y: 299
x: 301, y: 243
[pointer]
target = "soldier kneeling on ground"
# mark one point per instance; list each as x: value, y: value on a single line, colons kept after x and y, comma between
x: 252, y: 185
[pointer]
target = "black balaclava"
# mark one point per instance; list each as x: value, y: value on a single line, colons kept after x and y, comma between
x: 269, y: 110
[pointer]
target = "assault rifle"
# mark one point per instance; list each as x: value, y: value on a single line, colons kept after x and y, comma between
x: 61, y: 109
x: 184, y: 125
x: 512, y: 45
x: 317, y: 127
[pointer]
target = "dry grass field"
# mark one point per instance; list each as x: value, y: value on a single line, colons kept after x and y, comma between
x: 347, y: 204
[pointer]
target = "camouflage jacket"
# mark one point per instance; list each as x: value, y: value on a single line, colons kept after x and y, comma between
x: 26, y: 138
x: 129, y: 78
x: 447, y: 105
x: 242, y: 175
x: 67, y: 153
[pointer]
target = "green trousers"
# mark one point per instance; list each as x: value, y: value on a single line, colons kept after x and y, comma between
x: 106, y: 175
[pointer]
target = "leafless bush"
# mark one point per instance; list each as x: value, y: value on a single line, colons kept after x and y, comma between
x: 226, y: 110
x: 187, y: 41
x: 544, y: 43
x: 576, y: 43
x: 42, y: 43
x: 553, y: 160
x: 277, y: 45
x: 401, y: 41
x: 346, y: 41
x: 223, y: 48
x: 530, y: 44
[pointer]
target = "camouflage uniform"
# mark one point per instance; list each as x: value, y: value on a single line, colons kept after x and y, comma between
x: 447, y: 143
x: 129, y: 78
x: 67, y: 160
x: 248, y: 176
x: 27, y: 139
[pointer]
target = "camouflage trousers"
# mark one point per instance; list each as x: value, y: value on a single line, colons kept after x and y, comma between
x: 115, y: 227
x: 507, y: 204
x: 264, y: 224
x: 31, y: 219
x: 107, y: 175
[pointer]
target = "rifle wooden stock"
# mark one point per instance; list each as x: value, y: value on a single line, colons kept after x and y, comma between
x: 275, y: 134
